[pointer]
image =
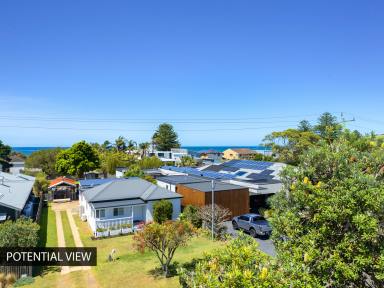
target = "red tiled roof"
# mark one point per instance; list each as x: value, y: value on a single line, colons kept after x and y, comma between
x: 61, y: 180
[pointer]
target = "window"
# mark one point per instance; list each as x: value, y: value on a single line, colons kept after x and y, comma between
x: 118, y: 211
x: 244, y: 218
x: 100, y: 213
x: 257, y: 219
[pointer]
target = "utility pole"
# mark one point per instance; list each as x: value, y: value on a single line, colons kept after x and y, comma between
x: 213, y: 207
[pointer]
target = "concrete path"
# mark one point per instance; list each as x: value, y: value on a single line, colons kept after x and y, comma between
x: 60, y: 238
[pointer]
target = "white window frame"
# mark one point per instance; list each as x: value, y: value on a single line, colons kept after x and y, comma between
x: 100, y: 213
x: 120, y: 211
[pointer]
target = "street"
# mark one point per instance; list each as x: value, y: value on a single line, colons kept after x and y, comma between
x: 265, y: 245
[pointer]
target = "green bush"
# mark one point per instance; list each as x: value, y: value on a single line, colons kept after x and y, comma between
x: 20, y: 233
x: 190, y: 213
x: 162, y: 211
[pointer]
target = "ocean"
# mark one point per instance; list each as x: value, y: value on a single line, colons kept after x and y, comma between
x: 29, y: 150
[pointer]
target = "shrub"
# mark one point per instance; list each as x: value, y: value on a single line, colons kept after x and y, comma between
x: 23, y: 281
x: 191, y: 214
x: 162, y: 211
x: 20, y: 233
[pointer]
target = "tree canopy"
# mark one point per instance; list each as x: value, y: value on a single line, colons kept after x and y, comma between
x: 20, y: 233
x: 165, y: 138
x: 329, y: 217
x: 44, y: 160
x: 5, y: 151
x: 77, y: 160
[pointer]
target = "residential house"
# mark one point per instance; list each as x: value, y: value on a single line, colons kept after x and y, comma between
x: 174, y: 155
x: 233, y: 197
x: 16, y: 196
x: 238, y: 153
x: 17, y: 164
x: 171, y: 182
x: 123, y: 201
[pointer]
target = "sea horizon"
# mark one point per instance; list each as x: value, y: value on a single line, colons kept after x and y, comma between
x: 28, y: 150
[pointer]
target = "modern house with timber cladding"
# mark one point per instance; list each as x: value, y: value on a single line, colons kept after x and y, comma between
x: 233, y: 197
x: 123, y: 202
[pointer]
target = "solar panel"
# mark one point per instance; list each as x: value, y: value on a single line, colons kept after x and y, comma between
x: 196, y: 172
x: 248, y: 164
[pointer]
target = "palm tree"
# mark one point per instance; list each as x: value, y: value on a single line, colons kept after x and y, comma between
x: 131, y: 145
x: 121, y: 143
x: 144, y: 147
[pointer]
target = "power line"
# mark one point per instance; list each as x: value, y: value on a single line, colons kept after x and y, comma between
x: 136, y: 130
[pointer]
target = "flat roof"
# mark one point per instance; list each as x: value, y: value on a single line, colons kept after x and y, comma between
x: 207, y: 186
x: 182, y: 179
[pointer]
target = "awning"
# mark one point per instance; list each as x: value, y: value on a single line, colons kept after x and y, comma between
x: 120, y: 203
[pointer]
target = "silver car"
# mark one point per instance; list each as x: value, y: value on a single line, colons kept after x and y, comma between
x: 254, y: 224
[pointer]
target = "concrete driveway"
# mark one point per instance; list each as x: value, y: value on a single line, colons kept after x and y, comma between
x: 265, y: 245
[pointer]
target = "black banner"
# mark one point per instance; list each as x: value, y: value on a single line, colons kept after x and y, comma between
x: 86, y: 256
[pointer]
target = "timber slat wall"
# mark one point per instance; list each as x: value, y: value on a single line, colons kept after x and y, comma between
x: 17, y: 270
x: 237, y: 200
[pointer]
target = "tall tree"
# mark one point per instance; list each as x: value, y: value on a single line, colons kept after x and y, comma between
x: 304, y: 126
x: 44, y: 160
x: 328, y: 127
x: 121, y: 143
x: 5, y: 151
x: 77, y: 160
x: 329, y: 218
x: 165, y: 138
x: 290, y: 144
x: 144, y: 148
x: 131, y: 146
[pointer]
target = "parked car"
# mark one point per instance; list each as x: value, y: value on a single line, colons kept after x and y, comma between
x: 255, y: 224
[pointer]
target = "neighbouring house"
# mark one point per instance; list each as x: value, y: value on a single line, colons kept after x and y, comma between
x: 238, y: 153
x: 16, y: 197
x: 17, y: 164
x: 233, y: 197
x: 123, y: 201
x: 120, y: 171
x: 174, y: 155
x: 210, y: 155
x: 171, y: 182
x: 63, y: 188
x: 260, y: 177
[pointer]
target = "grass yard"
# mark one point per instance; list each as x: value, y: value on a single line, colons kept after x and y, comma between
x: 69, y: 241
x: 133, y: 267
x: 47, y: 232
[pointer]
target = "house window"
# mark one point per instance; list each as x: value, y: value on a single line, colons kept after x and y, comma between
x: 118, y: 211
x: 100, y: 213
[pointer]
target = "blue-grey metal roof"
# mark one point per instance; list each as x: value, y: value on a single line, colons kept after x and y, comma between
x: 87, y: 183
x: 130, y: 188
x: 15, y: 190
x: 120, y: 203
x: 181, y: 179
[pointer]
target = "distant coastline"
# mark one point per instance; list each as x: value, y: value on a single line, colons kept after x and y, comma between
x: 29, y: 150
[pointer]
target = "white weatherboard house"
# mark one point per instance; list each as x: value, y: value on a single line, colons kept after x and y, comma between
x: 127, y: 201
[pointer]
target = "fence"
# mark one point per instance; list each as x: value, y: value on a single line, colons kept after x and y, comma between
x: 40, y: 208
x: 17, y: 270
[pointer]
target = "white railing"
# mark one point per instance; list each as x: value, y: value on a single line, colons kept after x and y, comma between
x: 113, y: 222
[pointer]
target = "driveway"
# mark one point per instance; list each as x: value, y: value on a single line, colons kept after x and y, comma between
x: 265, y: 245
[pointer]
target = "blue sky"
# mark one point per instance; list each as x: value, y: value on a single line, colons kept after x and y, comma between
x: 223, y: 72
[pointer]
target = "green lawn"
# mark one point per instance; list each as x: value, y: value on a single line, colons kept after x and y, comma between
x: 133, y: 267
x: 69, y: 241
x: 47, y: 233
